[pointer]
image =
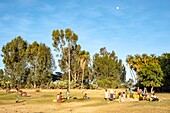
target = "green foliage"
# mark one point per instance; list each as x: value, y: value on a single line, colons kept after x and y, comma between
x: 147, y: 68
x: 27, y: 65
x: 150, y: 75
x: 107, y: 83
x: 41, y: 64
x: 62, y: 84
x: 165, y: 66
x: 15, y: 61
x: 72, y: 61
x: 129, y: 83
x: 1, y: 77
x: 37, y: 90
x: 106, y: 65
x: 93, y: 86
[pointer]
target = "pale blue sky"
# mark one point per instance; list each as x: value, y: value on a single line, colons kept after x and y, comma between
x: 137, y: 27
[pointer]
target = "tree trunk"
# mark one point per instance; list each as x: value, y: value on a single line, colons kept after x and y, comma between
x: 69, y: 67
x: 34, y: 85
x: 131, y: 74
x: 152, y: 90
x: 82, y: 79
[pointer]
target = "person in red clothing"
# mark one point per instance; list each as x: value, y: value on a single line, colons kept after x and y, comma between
x: 59, y: 100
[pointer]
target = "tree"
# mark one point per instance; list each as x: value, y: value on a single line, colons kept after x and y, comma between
x: 150, y: 74
x: 108, y: 69
x: 84, y: 58
x: 148, y: 70
x: 1, y: 77
x: 62, y: 40
x: 129, y: 83
x: 15, y: 61
x: 123, y: 74
x: 41, y: 64
x: 130, y: 62
x: 164, y: 60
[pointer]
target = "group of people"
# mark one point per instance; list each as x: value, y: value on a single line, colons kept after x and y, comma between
x: 142, y: 94
x: 129, y: 93
x: 115, y: 94
x: 60, y: 97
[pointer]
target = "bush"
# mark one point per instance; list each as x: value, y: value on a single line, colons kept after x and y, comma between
x: 93, y: 86
x: 62, y: 84
x: 107, y: 83
x: 37, y: 90
x: 75, y: 84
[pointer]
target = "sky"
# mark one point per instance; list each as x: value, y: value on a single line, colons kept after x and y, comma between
x: 127, y: 27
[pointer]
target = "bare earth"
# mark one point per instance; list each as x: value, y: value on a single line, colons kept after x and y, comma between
x: 42, y: 102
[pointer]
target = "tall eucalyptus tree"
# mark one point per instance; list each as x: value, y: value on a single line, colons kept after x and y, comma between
x: 61, y: 41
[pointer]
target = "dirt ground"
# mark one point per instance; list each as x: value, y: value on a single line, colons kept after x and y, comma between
x: 42, y: 102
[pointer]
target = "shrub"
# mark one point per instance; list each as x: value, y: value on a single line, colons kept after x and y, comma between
x: 37, y: 90
x: 107, y: 83
x: 62, y: 84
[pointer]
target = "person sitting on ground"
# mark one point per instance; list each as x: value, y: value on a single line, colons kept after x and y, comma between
x: 86, y: 97
x: 58, y: 96
x: 20, y: 92
x: 59, y: 100
x: 138, y: 91
x: 127, y: 93
x: 154, y: 97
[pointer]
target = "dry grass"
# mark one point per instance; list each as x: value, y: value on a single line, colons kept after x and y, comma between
x: 42, y: 102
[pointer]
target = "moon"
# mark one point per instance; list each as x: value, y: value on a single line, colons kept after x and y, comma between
x: 117, y: 8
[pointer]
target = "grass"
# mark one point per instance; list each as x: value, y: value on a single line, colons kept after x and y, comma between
x: 42, y: 102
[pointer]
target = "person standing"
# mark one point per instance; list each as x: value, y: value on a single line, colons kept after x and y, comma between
x: 111, y: 94
x: 68, y: 94
x: 106, y: 94
x: 17, y: 97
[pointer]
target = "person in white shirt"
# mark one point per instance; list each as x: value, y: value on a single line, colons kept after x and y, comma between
x: 154, y: 98
x: 106, y: 94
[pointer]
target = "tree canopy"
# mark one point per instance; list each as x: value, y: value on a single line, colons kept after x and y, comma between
x: 108, y: 69
x: 27, y: 64
x: 147, y: 68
